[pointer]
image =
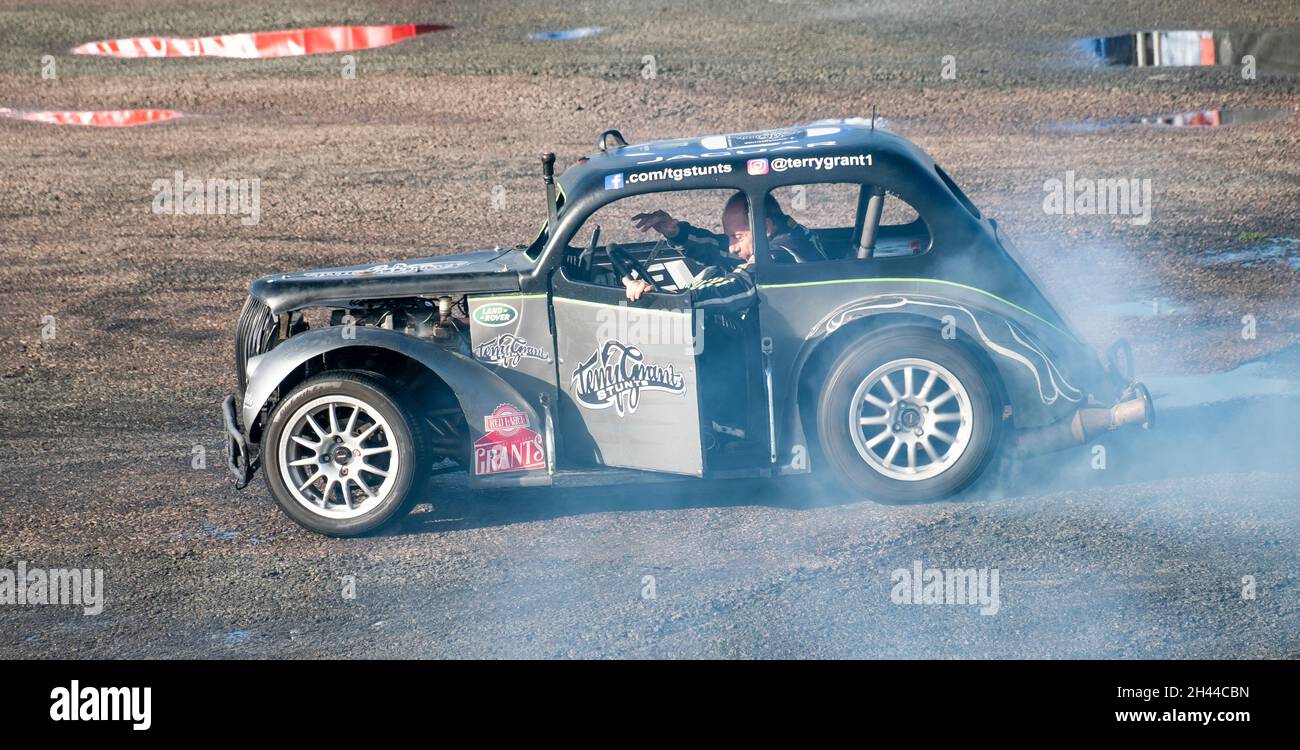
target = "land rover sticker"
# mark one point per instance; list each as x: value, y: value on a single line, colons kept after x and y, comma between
x: 496, y: 314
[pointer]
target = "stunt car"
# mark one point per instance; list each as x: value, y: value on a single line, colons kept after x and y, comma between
x: 901, y: 360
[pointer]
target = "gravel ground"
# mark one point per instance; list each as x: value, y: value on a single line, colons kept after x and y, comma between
x: 1144, y: 559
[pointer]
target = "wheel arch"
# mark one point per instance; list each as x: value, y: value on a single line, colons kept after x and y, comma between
x: 477, y: 390
x: 816, y: 364
x: 1004, y: 343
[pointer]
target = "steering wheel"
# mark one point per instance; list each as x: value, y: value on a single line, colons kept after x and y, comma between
x: 625, y: 264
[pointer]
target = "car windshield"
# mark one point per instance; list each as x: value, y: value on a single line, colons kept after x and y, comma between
x: 535, y: 247
x: 534, y: 250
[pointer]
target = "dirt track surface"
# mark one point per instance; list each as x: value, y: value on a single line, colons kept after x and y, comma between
x: 1143, y: 559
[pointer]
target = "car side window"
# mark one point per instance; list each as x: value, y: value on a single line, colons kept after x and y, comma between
x: 838, y: 215
x: 701, y: 208
x: 638, y: 225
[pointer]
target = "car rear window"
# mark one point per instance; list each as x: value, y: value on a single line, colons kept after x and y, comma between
x: 961, y: 197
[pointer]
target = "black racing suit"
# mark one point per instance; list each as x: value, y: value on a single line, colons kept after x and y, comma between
x: 727, y: 283
x: 725, y: 289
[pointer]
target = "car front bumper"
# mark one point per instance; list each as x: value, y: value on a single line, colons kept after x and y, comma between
x: 241, y: 465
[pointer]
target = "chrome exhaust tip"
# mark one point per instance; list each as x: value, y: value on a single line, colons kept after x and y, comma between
x: 1135, y: 407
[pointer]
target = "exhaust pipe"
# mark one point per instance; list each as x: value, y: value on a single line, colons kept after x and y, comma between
x: 1088, y: 422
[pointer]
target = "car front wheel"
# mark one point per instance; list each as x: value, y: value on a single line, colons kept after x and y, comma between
x: 343, y: 453
x: 906, y: 416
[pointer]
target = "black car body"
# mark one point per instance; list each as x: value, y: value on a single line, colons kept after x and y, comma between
x: 502, y: 358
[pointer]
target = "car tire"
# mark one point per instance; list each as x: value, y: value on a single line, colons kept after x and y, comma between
x: 368, y: 462
x: 869, y: 390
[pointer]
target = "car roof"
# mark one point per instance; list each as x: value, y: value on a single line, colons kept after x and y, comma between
x: 819, y: 138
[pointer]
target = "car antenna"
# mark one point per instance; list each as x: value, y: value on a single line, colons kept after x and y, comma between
x: 873, y: 118
x: 548, y: 176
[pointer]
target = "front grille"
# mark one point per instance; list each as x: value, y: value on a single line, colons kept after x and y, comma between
x: 254, y: 335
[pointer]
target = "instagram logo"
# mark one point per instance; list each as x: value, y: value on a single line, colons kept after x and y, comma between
x: 757, y: 166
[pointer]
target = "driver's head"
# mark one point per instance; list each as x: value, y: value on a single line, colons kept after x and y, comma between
x: 735, y: 223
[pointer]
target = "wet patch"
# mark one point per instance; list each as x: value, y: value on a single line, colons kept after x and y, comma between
x: 237, y: 638
x: 1155, y: 307
x: 261, y: 44
x: 213, y: 531
x: 567, y: 35
x: 1272, y: 250
x: 1248, y: 381
x: 1213, y: 118
x: 1270, y: 51
x: 1200, y: 118
x: 217, y: 532
x: 112, y: 118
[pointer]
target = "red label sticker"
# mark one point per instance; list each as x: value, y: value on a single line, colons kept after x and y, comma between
x: 505, y: 419
x: 508, y: 445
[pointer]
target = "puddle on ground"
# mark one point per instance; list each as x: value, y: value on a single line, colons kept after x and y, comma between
x: 1212, y: 118
x: 236, y: 638
x: 1247, y: 381
x: 213, y: 531
x: 261, y: 44
x: 112, y: 118
x: 567, y: 35
x: 1272, y: 250
x: 217, y: 532
x: 1157, y: 307
x: 1272, y: 51
x: 1199, y: 118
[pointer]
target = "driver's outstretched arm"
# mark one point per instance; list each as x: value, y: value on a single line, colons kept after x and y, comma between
x: 700, y: 245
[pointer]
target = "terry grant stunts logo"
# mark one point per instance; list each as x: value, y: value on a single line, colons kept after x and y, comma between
x: 507, y: 349
x: 616, y: 374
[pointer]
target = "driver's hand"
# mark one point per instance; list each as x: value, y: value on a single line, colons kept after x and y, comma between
x: 636, y: 287
x: 659, y: 221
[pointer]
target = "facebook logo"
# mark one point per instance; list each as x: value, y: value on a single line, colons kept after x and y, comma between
x: 613, y: 181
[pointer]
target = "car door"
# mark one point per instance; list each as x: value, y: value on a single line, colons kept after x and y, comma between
x: 627, y: 378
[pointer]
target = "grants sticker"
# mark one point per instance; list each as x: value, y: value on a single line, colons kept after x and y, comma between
x: 508, y: 445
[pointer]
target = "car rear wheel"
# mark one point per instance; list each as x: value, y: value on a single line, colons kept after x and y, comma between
x: 906, y: 416
x: 343, y: 452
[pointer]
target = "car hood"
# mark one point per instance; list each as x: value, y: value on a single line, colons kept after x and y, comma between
x: 481, y: 271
